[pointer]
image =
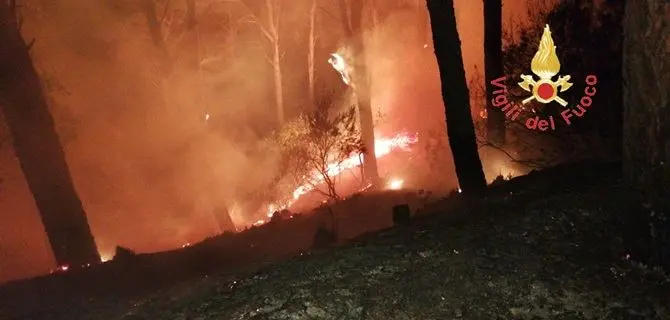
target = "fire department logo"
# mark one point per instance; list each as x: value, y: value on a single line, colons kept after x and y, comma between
x: 545, y: 65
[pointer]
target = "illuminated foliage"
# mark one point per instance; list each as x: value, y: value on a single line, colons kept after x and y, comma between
x: 314, y: 147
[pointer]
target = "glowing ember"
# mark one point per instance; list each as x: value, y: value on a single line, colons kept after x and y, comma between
x: 259, y: 222
x: 459, y: 190
x: 395, y: 184
x: 63, y: 268
x: 187, y: 244
x: 104, y: 258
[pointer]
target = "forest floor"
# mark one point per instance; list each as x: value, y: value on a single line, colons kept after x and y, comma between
x: 546, y: 246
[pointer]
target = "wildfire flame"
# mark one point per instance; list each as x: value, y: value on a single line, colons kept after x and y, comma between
x: 545, y: 63
x: 105, y: 257
x: 396, y: 184
x: 383, y: 147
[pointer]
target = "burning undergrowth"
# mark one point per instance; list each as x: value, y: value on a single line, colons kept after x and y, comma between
x: 320, y: 159
x: 321, y: 154
x: 526, y: 252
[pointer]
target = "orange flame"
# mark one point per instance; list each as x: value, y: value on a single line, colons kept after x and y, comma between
x: 396, y: 184
x: 383, y: 147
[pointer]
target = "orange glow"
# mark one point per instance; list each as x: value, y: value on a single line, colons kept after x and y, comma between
x: 396, y: 184
x: 105, y: 257
x: 383, y: 147
x: 154, y: 153
x: 62, y: 268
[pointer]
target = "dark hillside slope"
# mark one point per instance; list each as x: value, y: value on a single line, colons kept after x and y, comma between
x: 544, y: 248
x: 549, y: 245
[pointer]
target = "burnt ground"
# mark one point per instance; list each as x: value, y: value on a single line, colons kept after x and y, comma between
x: 549, y: 245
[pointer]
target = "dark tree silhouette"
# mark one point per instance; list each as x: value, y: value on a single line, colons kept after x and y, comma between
x: 38, y: 148
x: 646, y: 141
x: 351, y: 14
x: 493, y: 63
x: 455, y: 95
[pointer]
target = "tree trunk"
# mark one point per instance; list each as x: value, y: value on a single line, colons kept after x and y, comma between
x: 455, y: 95
x: 279, y: 87
x: 194, y: 60
x: 370, y: 170
x: 273, y: 26
x: 351, y: 19
x: 374, y: 8
x: 646, y: 134
x: 311, y: 51
x: 39, y: 150
x: 495, y: 121
x: 231, y: 39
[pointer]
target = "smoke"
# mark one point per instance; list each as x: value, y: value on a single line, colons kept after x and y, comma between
x: 148, y: 165
x: 155, y: 152
x: 405, y: 81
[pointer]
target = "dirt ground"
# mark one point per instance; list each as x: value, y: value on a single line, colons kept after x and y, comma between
x: 547, y: 246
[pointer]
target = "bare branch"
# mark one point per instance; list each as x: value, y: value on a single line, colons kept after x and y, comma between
x: 252, y: 18
x: 319, y: 143
x: 276, y: 12
x: 329, y: 14
x: 268, y: 58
